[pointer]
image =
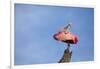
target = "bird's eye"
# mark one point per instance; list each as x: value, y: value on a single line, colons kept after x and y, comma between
x: 65, y: 32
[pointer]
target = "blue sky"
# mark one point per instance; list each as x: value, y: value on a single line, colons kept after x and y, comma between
x: 34, y: 29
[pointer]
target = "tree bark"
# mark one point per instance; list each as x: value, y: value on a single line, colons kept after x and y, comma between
x: 66, y: 56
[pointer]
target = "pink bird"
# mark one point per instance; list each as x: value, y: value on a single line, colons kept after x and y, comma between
x: 66, y: 36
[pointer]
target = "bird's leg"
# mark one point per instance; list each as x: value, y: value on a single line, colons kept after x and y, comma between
x: 68, y: 48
